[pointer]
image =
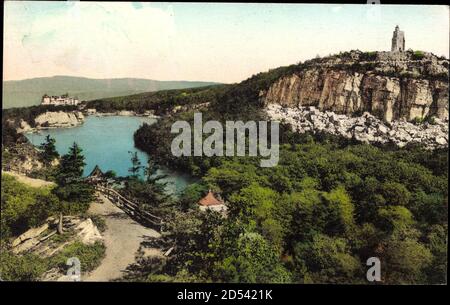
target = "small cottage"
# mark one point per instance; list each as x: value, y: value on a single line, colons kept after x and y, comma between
x: 212, y: 203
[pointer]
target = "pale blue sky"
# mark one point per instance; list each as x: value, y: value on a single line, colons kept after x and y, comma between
x: 196, y: 41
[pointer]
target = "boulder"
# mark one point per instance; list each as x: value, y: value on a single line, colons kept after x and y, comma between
x: 30, y: 234
x: 366, y: 128
x: 88, y: 232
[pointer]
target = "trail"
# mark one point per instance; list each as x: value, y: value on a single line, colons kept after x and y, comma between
x: 122, y: 238
x: 29, y: 181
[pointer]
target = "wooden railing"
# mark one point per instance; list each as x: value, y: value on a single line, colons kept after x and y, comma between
x: 131, y: 208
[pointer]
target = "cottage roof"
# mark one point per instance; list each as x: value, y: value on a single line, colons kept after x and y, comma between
x: 96, y: 172
x: 209, y: 199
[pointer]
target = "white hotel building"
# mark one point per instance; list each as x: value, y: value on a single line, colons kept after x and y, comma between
x: 59, y: 100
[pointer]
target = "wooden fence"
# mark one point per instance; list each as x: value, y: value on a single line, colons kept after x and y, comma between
x: 131, y: 208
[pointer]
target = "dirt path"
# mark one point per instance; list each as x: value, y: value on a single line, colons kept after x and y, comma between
x: 29, y: 181
x: 122, y: 239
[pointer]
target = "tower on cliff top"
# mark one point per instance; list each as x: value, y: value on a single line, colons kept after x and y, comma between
x: 398, y: 40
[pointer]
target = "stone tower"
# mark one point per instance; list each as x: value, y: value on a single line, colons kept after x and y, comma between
x: 398, y: 40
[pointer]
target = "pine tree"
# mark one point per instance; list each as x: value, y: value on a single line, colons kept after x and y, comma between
x: 72, y: 165
x: 136, y: 165
x: 48, y: 150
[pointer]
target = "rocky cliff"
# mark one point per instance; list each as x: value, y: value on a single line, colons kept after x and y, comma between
x: 56, y: 119
x: 391, y: 86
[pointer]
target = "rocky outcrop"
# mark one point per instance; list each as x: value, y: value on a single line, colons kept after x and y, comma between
x: 366, y: 128
x: 391, y: 86
x: 58, y: 119
x: 21, y: 158
x: 24, y: 127
x: 88, y: 233
x: 38, y: 240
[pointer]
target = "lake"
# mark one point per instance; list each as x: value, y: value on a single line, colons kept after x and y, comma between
x: 106, y: 141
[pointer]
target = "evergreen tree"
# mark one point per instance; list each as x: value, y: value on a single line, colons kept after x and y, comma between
x: 48, y: 150
x: 71, y: 166
x: 71, y: 186
x: 136, y: 165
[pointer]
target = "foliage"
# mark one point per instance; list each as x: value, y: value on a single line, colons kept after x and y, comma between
x: 27, y: 267
x: 418, y: 55
x: 48, y: 150
x: 90, y: 256
x: 30, y: 267
x: 23, y: 207
x: 74, y: 193
x: 318, y: 215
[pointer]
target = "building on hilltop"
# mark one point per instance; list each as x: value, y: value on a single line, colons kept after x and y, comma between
x: 62, y: 100
x: 398, y: 40
x: 212, y: 203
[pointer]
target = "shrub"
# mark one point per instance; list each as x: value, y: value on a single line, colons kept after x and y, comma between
x: 90, y: 256
x: 28, y: 267
x: 418, y: 55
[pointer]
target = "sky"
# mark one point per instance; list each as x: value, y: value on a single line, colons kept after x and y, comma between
x: 219, y: 42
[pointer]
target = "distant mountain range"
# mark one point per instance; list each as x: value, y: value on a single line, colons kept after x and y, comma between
x: 28, y: 92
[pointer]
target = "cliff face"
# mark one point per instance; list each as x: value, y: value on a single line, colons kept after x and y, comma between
x: 389, y: 86
x: 58, y: 119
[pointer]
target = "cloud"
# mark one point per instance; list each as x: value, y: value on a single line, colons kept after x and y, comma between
x: 336, y: 9
x: 88, y: 38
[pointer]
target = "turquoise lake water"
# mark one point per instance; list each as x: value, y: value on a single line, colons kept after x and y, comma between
x: 106, y: 142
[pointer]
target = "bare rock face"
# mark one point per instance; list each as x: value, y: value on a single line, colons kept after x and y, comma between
x: 24, y: 127
x: 38, y: 240
x: 57, y: 119
x: 88, y: 232
x: 390, y: 87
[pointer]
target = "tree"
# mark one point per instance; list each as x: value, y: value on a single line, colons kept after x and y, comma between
x: 341, y: 210
x: 395, y: 218
x: 110, y: 174
x: 48, y: 150
x: 136, y: 165
x: 192, y: 194
x: 395, y: 193
x: 71, y: 166
x: 75, y: 194
x: 405, y: 259
x: 437, y: 243
x: 327, y: 260
x: 253, y: 261
x: 152, y: 173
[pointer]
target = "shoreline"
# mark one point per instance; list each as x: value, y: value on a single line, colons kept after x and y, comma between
x: 97, y: 114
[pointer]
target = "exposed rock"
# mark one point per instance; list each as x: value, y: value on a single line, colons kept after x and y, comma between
x: 88, y: 232
x: 34, y: 240
x: 126, y: 113
x: 366, y: 128
x: 23, y: 158
x: 58, y: 119
x: 24, y: 127
x: 30, y: 234
x: 391, y: 86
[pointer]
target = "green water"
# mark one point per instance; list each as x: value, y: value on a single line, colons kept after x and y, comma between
x: 106, y: 142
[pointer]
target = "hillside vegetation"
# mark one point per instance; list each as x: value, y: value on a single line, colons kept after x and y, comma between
x: 329, y: 205
x: 316, y: 217
x: 28, y: 92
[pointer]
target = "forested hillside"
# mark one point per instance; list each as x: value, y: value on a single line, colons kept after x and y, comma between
x: 28, y: 92
x: 316, y: 217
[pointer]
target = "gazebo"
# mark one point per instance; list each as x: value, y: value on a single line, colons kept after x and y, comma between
x: 96, y: 175
x: 212, y: 203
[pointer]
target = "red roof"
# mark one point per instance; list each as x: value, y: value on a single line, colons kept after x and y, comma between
x: 209, y: 199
